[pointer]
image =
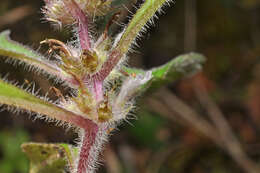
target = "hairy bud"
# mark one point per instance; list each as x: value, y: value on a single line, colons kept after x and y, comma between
x: 59, y: 11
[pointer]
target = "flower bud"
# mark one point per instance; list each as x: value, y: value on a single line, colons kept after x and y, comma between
x: 59, y: 11
x: 55, y: 11
x: 95, y: 7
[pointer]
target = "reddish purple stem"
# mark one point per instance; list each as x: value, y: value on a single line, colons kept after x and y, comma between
x: 98, y: 90
x: 80, y: 121
x: 84, y: 35
x: 89, y: 139
x: 83, y: 24
x: 108, y: 66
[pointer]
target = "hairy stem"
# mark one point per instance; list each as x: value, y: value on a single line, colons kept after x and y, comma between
x: 98, y: 90
x: 92, y: 141
x: 108, y: 66
x: 88, y: 141
x: 82, y: 22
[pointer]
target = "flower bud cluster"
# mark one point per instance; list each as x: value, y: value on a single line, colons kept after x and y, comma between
x: 59, y: 12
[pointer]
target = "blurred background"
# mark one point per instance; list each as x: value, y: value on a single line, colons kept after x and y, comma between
x: 208, y: 123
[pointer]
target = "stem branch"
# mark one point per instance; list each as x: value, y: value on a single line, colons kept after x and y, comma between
x: 83, y: 24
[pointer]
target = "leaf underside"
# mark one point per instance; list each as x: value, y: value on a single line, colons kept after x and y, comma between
x: 181, y: 66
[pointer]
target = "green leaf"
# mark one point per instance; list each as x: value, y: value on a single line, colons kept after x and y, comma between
x: 146, y: 129
x: 46, y: 158
x: 16, y: 51
x: 181, y: 66
x: 137, y: 24
x: 16, y: 97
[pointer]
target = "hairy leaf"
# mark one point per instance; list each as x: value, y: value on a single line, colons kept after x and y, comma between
x: 17, y: 51
x: 46, y: 158
x: 16, y: 97
x: 137, y: 24
x: 175, y: 69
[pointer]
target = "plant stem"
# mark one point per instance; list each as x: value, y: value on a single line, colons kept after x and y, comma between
x: 98, y: 90
x: 93, y: 139
x: 108, y: 66
x: 88, y: 141
x: 82, y: 22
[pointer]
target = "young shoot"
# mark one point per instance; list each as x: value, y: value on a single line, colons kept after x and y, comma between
x: 94, y: 67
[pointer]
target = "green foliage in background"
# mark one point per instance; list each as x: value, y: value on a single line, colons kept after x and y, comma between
x: 13, y: 159
x: 146, y: 129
